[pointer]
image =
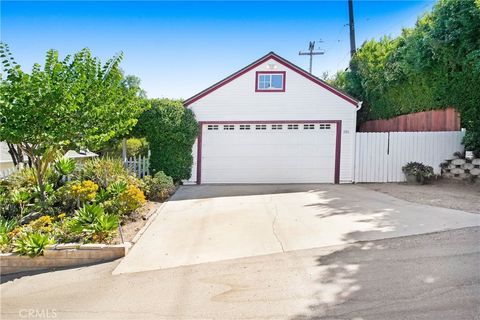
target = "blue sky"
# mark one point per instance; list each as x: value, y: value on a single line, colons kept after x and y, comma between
x: 180, y: 48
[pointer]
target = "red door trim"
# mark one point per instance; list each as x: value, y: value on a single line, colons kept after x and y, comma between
x: 338, y: 140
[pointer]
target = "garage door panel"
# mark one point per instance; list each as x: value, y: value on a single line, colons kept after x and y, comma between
x: 268, y: 156
x: 267, y: 176
x: 261, y: 151
x: 255, y: 162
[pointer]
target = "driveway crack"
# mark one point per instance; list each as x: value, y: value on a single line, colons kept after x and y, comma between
x: 274, y: 230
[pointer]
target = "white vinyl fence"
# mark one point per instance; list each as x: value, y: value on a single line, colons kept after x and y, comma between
x: 379, y: 156
x: 138, y: 165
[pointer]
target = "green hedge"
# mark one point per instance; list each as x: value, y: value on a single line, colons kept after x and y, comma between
x: 434, y: 65
x: 171, y: 130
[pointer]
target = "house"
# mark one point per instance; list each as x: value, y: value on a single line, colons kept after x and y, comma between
x: 6, y: 162
x: 5, y: 158
x: 273, y: 122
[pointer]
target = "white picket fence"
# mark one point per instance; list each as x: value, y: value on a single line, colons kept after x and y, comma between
x: 4, y: 173
x: 379, y: 156
x: 138, y: 165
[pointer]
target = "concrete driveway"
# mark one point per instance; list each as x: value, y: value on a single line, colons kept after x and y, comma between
x: 213, y: 223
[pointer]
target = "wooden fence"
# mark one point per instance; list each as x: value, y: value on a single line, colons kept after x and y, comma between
x: 380, y: 156
x: 138, y: 165
x: 434, y: 120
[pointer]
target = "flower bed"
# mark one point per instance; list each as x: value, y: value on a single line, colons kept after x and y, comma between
x: 84, y: 205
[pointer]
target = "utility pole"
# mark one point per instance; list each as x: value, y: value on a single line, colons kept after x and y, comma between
x: 311, y: 52
x: 351, y: 24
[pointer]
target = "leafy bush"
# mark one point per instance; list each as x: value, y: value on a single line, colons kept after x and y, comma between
x: 158, y: 187
x: 135, y: 147
x: 32, y: 244
x: 131, y: 199
x: 83, y: 191
x: 171, y: 130
x: 103, y: 171
x: 92, y: 222
x: 421, y: 171
x: 6, y: 226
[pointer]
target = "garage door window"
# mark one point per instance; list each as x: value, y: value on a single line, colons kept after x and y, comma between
x: 324, y: 126
x: 228, y: 127
x: 292, y: 127
x: 212, y: 127
x: 261, y: 127
x: 244, y: 127
x: 308, y: 126
x: 277, y: 127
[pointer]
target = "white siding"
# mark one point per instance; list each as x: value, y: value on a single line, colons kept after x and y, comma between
x: 302, y: 100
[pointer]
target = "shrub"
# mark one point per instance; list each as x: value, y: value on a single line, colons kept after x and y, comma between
x: 171, y: 130
x: 135, y: 147
x: 6, y: 226
x: 31, y: 244
x: 131, y: 199
x: 104, y: 171
x: 419, y: 170
x: 158, y: 187
x: 83, y: 191
x: 92, y: 222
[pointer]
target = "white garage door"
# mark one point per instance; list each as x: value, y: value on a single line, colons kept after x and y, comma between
x: 268, y: 153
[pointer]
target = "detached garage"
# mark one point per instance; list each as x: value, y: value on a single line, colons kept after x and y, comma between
x: 273, y: 122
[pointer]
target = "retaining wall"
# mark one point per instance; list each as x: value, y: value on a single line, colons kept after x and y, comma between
x: 62, y: 255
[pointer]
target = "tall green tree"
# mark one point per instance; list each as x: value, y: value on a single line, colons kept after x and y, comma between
x: 76, y: 102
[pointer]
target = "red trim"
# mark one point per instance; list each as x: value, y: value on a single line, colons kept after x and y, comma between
x: 199, y: 153
x: 284, y: 73
x: 280, y: 60
x: 338, y: 140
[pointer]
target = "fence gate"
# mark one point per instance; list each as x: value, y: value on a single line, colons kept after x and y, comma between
x: 379, y: 156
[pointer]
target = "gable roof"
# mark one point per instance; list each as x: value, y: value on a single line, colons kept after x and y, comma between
x: 271, y: 55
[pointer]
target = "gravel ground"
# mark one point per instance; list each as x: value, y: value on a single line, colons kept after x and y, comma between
x: 136, y: 222
x: 446, y: 194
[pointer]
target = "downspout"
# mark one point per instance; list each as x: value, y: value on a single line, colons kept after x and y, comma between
x: 359, y: 106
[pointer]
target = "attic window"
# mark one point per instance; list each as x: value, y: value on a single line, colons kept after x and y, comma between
x: 268, y: 81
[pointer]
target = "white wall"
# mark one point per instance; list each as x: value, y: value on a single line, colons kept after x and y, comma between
x: 302, y: 100
x: 380, y: 156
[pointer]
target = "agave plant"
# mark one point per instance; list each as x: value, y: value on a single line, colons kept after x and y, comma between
x: 65, y: 166
x: 21, y: 197
x: 117, y: 188
x: 32, y: 244
x: 92, y: 221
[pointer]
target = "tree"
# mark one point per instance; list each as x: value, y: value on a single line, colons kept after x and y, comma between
x: 171, y: 130
x: 72, y: 103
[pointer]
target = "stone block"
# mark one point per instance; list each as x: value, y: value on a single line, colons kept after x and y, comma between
x: 457, y: 171
x: 64, y: 246
x: 467, y: 166
x: 475, y: 172
x: 476, y: 162
x: 458, y: 162
x: 92, y: 246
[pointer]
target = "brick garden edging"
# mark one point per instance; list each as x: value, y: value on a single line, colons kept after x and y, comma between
x: 62, y: 255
